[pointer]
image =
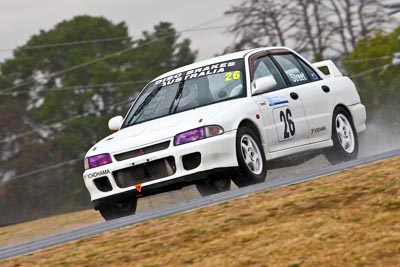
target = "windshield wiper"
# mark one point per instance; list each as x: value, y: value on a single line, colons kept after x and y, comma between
x: 143, y: 105
x: 178, y: 96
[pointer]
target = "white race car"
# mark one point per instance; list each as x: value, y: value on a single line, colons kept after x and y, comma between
x: 222, y: 120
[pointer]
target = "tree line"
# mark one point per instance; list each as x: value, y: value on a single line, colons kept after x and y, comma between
x: 54, y: 105
x: 315, y: 26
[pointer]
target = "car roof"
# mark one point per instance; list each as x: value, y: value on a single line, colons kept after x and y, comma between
x: 214, y: 60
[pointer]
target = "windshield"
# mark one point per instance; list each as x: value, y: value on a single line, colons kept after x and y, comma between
x: 188, y: 90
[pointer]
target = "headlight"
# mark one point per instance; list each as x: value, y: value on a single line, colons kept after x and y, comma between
x: 197, y: 134
x: 98, y: 160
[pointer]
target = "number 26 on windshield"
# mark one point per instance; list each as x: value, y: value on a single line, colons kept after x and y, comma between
x: 233, y: 75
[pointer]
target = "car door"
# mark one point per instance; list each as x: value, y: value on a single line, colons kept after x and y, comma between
x: 314, y: 92
x: 282, y: 109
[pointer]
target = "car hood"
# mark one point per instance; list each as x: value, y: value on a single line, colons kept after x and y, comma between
x: 157, y: 130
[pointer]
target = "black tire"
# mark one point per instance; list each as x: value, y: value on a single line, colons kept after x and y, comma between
x: 213, y: 186
x: 345, y: 143
x: 118, y: 209
x: 249, y: 175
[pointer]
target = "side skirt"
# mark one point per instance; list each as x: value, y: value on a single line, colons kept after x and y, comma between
x: 298, y: 149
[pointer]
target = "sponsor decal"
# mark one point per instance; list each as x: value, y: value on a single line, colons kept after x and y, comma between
x: 298, y: 77
x: 139, y: 187
x: 318, y: 130
x: 314, y: 76
x: 97, y: 174
x: 199, y: 72
x: 276, y: 100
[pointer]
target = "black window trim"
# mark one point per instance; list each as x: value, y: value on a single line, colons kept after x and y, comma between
x: 302, y: 62
x: 280, y: 72
x: 284, y: 73
x: 274, y: 52
x: 269, y: 53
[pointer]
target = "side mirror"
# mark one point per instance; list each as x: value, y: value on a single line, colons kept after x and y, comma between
x: 115, y: 123
x: 263, y: 84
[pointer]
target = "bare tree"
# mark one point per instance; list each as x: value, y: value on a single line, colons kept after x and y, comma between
x: 314, y: 26
x: 261, y: 23
x: 340, y: 26
x: 355, y: 19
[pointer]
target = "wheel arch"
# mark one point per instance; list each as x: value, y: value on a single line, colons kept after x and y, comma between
x: 341, y: 105
x: 336, y: 154
x: 246, y: 175
x: 349, y: 113
x: 257, y: 128
x: 250, y: 124
x: 344, y: 107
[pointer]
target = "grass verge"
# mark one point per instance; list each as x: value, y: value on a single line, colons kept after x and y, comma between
x: 347, y: 219
x: 24, y: 232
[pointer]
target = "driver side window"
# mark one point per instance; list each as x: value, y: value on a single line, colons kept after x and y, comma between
x: 264, y: 67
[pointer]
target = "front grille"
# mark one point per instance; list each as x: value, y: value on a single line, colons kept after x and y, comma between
x: 142, y: 151
x: 146, y: 172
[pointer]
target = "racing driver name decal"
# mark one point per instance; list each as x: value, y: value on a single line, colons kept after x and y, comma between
x: 97, y: 174
x: 195, y: 73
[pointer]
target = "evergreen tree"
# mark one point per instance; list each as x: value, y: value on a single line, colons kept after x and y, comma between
x: 370, y: 67
x: 92, y: 68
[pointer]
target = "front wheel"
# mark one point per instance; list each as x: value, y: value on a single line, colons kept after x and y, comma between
x: 213, y: 186
x: 344, y: 137
x: 118, y: 209
x: 250, y: 157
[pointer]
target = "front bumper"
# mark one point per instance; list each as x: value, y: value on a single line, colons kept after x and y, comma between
x: 165, y: 186
x: 217, y: 153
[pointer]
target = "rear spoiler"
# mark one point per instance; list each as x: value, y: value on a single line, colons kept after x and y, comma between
x: 327, y: 66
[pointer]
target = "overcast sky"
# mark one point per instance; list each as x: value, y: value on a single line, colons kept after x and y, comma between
x: 20, y: 19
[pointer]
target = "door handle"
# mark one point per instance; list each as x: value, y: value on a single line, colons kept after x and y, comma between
x: 326, y: 89
x: 294, y: 95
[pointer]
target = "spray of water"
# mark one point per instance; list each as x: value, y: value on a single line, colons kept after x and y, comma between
x: 383, y: 131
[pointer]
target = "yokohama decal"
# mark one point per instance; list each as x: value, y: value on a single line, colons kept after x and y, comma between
x: 97, y: 174
x: 318, y: 130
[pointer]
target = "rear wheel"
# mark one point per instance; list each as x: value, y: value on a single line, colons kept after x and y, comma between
x: 344, y: 137
x: 118, y: 209
x: 251, y: 158
x: 213, y: 186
